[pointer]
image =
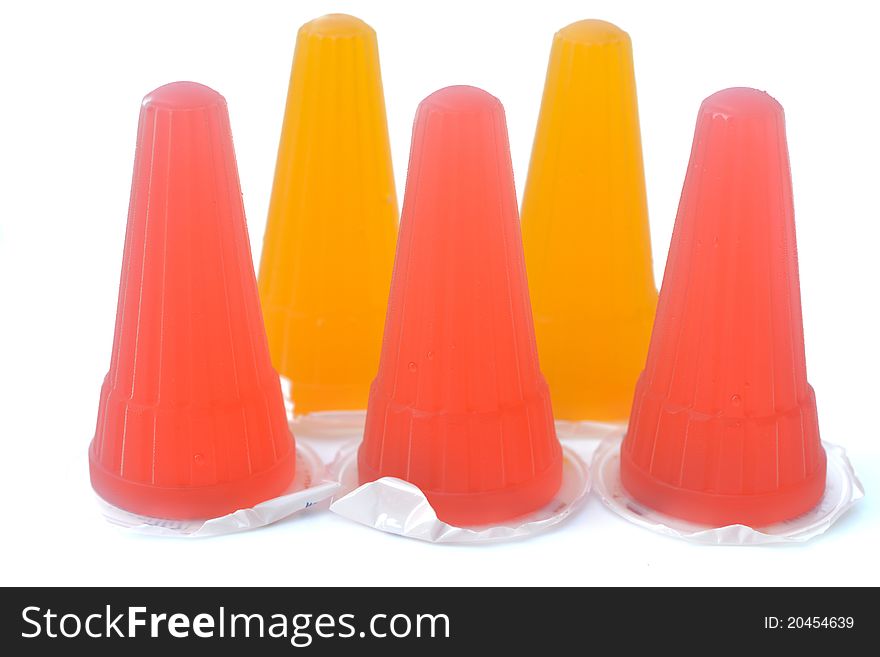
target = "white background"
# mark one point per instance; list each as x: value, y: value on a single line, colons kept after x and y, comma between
x: 73, y: 75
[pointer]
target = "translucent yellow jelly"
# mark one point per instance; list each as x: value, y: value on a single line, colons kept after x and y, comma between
x: 332, y: 228
x: 585, y: 226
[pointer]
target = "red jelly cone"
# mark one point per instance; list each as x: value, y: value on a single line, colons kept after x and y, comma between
x: 191, y: 422
x: 459, y: 406
x: 723, y: 427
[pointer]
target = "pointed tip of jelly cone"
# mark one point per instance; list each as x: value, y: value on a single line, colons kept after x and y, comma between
x: 336, y: 26
x: 183, y: 96
x: 461, y: 99
x: 593, y: 32
x: 741, y: 102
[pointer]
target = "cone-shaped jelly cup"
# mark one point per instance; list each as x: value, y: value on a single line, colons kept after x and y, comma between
x: 459, y: 406
x: 585, y: 226
x: 724, y: 427
x: 329, y: 244
x: 191, y: 421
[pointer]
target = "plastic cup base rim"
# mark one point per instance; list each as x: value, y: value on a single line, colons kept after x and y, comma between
x: 399, y: 507
x: 308, y: 488
x: 328, y: 424
x: 842, y: 490
x: 322, y: 424
x: 588, y: 429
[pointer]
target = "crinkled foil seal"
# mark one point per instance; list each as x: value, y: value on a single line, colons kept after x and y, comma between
x: 398, y: 507
x: 308, y: 489
x: 842, y: 490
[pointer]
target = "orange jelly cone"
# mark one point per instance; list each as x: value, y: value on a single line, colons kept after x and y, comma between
x: 724, y: 427
x: 585, y: 226
x: 459, y: 406
x: 191, y: 421
x: 329, y: 244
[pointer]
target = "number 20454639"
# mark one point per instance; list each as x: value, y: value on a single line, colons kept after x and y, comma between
x: 809, y: 622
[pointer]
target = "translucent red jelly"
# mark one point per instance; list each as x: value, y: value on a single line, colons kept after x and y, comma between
x: 459, y: 407
x: 723, y: 427
x: 191, y: 421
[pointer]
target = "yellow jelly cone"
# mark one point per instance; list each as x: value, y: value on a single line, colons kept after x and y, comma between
x: 332, y: 228
x: 585, y: 226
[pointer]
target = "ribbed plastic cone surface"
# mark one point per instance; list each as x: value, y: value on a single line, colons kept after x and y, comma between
x: 724, y: 427
x: 191, y: 421
x: 329, y: 244
x: 459, y: 407
x: 585, y: 226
